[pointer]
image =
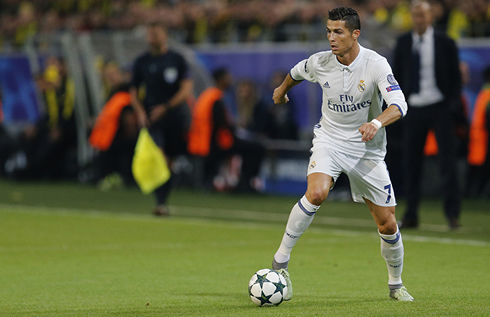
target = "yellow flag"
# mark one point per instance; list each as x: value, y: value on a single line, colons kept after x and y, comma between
x: 150, y: 169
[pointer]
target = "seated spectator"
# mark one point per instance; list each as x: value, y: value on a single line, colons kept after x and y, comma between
x: 224, y: 21
x: 478, y: 156
x: 212, y: 136
x: 114, y: 79
x: 7, y: 143
x: 115, y: 131
x: 50, y: 145
x: 252, y: 111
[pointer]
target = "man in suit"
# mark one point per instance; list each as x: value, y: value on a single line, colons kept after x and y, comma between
x: 426, y: 65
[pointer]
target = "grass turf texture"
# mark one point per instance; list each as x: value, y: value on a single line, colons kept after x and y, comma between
x: 71, y: 250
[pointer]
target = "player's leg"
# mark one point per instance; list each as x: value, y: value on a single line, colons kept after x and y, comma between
x: 323, y: 169
x: 299, y: 220
x: 391, y: 248
x: 391, y: 241
x: 370, y: 183
x: 302, y: 215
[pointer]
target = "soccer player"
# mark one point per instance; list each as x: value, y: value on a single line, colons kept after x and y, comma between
x: 350, y: 138
x: 164, y: 75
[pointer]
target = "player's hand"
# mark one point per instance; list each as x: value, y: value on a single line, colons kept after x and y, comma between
x: 368, y: 131
x: 157, y: 113
x: 279, y: 97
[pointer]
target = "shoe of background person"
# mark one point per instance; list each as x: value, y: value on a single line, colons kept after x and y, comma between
x: 401, y: 295
x: 453, y: 223
x: 408, y: 224
x: 289, y: 294
x: 161, y: 211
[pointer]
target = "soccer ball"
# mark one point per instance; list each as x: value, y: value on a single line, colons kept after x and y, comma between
x: 267, y: 288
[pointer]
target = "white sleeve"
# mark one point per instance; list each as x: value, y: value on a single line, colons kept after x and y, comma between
x: 304, y: 70
x: 389, y: 87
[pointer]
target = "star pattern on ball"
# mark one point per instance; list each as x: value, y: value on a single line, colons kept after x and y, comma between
x: 261, y: 279
x: 279, y: 287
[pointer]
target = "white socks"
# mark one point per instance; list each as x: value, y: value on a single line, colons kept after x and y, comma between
x: 392, y: 252
x: 299, y: 220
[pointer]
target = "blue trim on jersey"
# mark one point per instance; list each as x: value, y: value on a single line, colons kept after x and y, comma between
x: 394, y: 240
x: 304, y: 209
x: 399, y: 108
x: 293, y: 77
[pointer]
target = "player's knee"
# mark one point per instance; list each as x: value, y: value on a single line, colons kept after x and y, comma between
x: 316, y: 196
x: 388, y: 227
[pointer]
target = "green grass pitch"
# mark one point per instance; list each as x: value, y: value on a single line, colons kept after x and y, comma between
x: 71, y: 250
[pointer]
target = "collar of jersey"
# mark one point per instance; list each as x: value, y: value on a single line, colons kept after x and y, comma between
x: 354, y: 64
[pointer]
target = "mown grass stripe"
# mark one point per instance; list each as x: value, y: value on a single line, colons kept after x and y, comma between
x: 239, y: 218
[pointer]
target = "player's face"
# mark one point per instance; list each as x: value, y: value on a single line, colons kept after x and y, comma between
x: 421, y: 17
x: 340, y: 38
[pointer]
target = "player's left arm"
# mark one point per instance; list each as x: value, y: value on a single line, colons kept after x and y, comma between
x: 392, y: 94
x: 387, y: 117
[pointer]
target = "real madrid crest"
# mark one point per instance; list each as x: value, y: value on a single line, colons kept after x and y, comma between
x: 362, y: 86
x: 313, y: 164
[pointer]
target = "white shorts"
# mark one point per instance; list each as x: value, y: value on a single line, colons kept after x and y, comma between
x: 368, y: 178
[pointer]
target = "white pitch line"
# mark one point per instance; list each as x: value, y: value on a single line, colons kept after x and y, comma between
x: 227, y: 214
x: 255, y: 215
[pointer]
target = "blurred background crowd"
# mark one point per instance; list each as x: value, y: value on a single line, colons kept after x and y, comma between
x: 49, y: 146
x: 222, y: 21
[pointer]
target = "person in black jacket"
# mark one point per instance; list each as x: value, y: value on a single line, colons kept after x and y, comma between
x: 164, y: 76
x: 427, y: 67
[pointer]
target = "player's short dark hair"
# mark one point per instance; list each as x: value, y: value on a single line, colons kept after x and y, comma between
x: 220, y: 73
x: 349, y: 15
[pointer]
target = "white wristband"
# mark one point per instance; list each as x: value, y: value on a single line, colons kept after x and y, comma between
x: 377, y: 123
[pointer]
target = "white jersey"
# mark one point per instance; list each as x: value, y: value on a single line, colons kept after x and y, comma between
x: 351, y: 97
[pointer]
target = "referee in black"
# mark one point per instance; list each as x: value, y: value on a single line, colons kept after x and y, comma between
x: 164, y: 76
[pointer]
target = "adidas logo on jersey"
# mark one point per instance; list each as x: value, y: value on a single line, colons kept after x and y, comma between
x: 326, y: 85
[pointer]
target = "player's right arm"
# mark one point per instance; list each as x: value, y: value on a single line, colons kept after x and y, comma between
x: 280, y: 96
x: 301, y: 71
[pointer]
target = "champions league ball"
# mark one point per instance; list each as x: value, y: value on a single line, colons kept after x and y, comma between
x: 267, y: 288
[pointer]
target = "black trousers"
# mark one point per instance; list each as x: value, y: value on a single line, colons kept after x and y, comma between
x: 416, y: 126
x: 170, y: 134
